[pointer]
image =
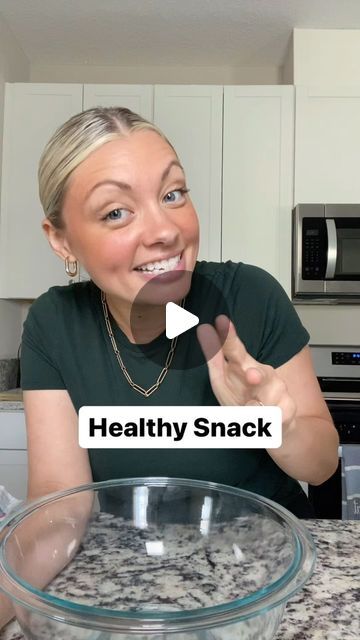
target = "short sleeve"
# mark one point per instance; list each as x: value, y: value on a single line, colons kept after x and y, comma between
x: 39, y: 347
x: 276, y: 331
x: 284, y: 335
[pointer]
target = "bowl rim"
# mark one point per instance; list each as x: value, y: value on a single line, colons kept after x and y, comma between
x: 262, y: 600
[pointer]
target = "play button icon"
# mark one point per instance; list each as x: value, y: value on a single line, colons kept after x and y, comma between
x: 178, y: 320
x: 174, y: 308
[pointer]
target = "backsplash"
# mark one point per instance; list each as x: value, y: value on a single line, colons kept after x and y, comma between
x: 9, y: 369
x: 337, y: 324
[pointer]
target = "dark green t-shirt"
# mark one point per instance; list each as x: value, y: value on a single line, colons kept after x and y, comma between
x: 65, y: 345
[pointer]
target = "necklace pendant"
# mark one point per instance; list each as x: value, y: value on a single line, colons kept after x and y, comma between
x: 144, y: 392
x: 152, y: 389
x: 139, y: 389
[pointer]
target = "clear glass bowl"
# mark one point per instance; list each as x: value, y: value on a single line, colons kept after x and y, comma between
x: 144, y: 558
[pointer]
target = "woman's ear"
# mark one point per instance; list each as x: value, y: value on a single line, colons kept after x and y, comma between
x: 57, y: 241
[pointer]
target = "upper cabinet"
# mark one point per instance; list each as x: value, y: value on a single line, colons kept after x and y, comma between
x: 191, y: 119
x: 327, y: 150
x: 138, y: 98
x: 258, y: 177
x: 32, y: 114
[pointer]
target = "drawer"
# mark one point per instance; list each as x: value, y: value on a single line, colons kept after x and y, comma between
x: 12, y: 430
x: 13, y: 473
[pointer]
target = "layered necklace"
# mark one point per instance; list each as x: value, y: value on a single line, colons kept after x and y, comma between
x: 168, y: 361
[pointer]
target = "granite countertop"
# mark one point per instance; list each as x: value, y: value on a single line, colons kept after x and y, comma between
x: 327, y: 608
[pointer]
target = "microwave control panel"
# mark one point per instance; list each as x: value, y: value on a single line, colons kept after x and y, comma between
x: 314, y: 249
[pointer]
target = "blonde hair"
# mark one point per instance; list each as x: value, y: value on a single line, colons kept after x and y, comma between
x: 73, y: 142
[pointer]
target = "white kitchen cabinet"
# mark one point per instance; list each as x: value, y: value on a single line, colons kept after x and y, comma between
x: 13, y: 454
x: 191, y: 118
x: 137, y: 97
x: 32, y: 113
x: 258, y: 178
x: 327, y: 145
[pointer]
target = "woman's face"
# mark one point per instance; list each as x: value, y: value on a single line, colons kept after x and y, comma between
x: 129, y: 220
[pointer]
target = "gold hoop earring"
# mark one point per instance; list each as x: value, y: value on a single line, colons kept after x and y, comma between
x: 71, y: 267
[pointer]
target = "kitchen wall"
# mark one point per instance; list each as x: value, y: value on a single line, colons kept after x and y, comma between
x: 14, y: 67
x: 156, y: 75
x: 326, y: 57
x: 287, y: 70
x: 338, y: 324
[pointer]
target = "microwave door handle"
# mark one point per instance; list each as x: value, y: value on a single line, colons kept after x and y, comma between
x: 332, y: 248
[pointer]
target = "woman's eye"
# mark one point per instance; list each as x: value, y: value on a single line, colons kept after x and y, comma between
x: 117, y: 214
x: 176, y: 196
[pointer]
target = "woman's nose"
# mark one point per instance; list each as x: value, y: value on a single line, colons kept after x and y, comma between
x: 158, y: 226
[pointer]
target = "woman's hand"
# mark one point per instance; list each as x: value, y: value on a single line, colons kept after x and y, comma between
x: 236, y: 377
x: 309, y: 449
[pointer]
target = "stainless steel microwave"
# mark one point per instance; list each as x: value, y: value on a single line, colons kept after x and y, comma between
x: 326, y: 253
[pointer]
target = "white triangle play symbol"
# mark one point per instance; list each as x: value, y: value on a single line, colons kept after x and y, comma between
x: 178, y: 320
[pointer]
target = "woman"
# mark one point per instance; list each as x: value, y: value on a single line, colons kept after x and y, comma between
x: 115, y: 198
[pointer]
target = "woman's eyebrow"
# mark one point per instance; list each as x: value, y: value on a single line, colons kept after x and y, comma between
x: 116, y: 183
x: 127, y: 187
x: 173, y: 163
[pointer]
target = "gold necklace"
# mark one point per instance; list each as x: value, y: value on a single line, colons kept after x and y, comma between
x: 169, y: 359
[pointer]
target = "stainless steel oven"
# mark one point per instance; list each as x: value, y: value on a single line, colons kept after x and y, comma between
x: 326, y: 253
x: 338, y: 371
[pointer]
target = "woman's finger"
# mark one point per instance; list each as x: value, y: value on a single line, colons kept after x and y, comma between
x: 222, y: 324
x: 211, y: 346
x: 261, y: 374
x: 226, y: 384
x: 271, y: 390
x: 233, y: 349
x: 254, y: 376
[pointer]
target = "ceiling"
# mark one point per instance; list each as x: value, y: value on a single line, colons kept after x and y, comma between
x: 168, y: 32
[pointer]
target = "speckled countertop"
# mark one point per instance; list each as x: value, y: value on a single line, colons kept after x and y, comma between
x: 327, y: 608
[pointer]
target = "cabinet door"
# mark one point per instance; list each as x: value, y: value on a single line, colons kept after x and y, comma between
x: 327, y: 149
x: 258, y: 178
x: 13, y: 472
x: 191, y: 118
x: 32, y: 113
x: 137, y: 97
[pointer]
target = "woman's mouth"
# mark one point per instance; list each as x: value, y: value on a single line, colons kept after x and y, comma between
x: 166, y: 277
x: 162, y: 266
